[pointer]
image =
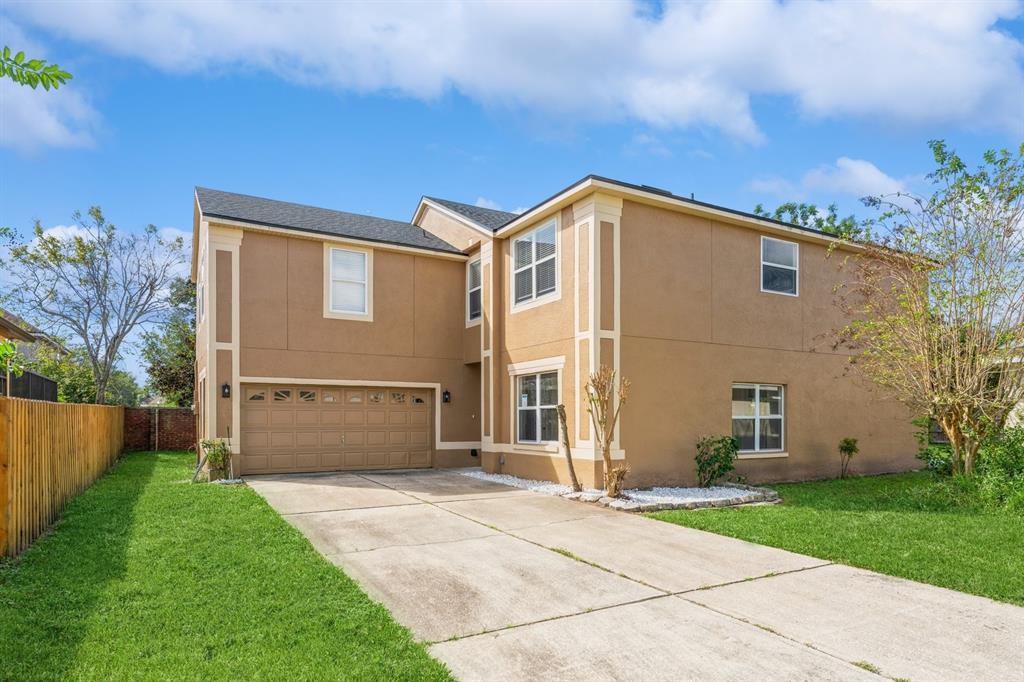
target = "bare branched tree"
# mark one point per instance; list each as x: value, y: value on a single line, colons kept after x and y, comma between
x: 604, y: 403
x: 938, y: 307
x: 564, y: 428
x: 95, y: 285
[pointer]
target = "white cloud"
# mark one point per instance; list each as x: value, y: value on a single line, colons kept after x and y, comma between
x: 645, y: 144
x: 30, y: 119
x: 484, y: 202
x: 697, y: 64
x: 775, y: 186
x: 852, y: 176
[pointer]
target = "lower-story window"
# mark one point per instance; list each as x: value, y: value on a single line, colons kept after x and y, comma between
x: 758, y: 417
x: 536, y: 407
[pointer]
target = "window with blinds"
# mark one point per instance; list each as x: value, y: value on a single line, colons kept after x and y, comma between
x: 535, y: 264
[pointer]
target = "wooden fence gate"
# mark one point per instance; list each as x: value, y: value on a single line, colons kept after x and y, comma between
x: 49, y: 453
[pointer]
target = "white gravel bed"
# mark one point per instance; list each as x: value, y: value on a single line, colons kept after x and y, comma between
x: 676, y: 495
x: 545, y: 487
x: 633, y: 498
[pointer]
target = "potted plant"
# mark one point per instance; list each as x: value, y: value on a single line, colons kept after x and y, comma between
x: 218, y: 458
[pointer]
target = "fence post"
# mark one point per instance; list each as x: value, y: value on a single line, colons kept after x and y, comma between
x: 5, y: 478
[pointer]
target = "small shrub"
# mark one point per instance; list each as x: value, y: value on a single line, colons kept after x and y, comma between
x: 715, y: 456
x: 938, y: 459
x: 847, y: 449
x: 218, y: 456
x: 1001, y: 470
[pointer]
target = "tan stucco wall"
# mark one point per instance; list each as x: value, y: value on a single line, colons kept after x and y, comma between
x: 416, y: 335
x: 695, y: 322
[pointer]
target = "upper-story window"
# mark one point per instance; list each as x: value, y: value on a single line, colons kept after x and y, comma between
x: 535, y: 264
x: 349, y: 283
x: 474, y: 289
x: 780, y: 266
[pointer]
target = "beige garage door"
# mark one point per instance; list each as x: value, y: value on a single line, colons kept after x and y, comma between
x: 318, y: 428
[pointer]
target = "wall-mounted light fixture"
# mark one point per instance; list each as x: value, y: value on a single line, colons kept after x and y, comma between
x: 225, y: 391
x: 446, y: 397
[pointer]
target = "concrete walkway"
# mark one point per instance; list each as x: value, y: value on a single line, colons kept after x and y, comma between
x: 506, y: 584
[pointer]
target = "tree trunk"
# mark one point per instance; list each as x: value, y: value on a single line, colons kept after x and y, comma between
x: 576, y: 487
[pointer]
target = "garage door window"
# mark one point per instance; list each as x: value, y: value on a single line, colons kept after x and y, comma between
x: 537, y: 414
x: 307, y: 396
x: 282, y: 395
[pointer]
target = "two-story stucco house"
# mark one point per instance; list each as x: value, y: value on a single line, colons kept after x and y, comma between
x: 332, y: 341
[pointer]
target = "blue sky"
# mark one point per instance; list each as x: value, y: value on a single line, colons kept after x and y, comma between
x: 366, y: 107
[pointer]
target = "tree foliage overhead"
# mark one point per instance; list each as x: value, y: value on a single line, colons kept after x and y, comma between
x: 72, y: 371
x: 829, y: 222
x: 938, y: 305
x: 31, y: 72
x: 97, y: 286
x: 170, y: 353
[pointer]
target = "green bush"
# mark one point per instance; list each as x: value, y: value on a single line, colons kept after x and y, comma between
x: 938, y: 459
x: 1001, y: 470
x: 218, y: 456
x: 715, y: 456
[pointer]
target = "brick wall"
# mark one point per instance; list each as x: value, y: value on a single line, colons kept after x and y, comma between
x: 177, y: 428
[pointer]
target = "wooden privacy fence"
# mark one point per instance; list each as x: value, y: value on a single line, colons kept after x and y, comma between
x: 49, y: 452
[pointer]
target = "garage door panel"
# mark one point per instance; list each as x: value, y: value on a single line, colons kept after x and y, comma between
x: 307, y: 439
x: 307, y: 460
x: 282, y: 418
x: 313, y: 428
x: 256, y: 417
x: 255, y: 440
x: 354, y: 460
x: 307, y: 417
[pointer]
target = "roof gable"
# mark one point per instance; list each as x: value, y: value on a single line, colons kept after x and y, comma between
x: 487, y: 218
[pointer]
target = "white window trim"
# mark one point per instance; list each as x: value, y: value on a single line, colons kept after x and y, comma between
x: 472, y: 322
x: 516, y: 407
x: 329, y: 311
x: 795, y: 269
x: 549, y: 297
x: 757, y: 452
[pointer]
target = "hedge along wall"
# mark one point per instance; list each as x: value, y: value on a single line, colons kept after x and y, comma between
x: 159, y: 428
x: 49, y: 453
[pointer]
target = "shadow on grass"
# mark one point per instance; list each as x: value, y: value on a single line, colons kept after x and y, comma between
x: 50, y: 592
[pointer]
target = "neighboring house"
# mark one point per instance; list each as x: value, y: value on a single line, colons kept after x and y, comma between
x: 27, y: 337
x: 333, y: 341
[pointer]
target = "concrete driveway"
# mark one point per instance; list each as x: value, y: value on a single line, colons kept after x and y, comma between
x: 505, y: 584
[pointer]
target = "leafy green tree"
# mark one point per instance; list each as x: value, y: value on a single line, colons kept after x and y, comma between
x: 11, y: 361
x: 829, y: 222
x: 170, y: 352
x: 97, y: 286
x: 937, y: 307
x: 75, y: 383
x: 31, y: 72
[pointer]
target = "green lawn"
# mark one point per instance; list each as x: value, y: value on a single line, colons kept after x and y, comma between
x: 147, y: 576
x: 898, y: 524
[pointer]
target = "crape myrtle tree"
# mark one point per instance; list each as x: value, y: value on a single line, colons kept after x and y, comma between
x: 96, y: 286
x: 937, y: 305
